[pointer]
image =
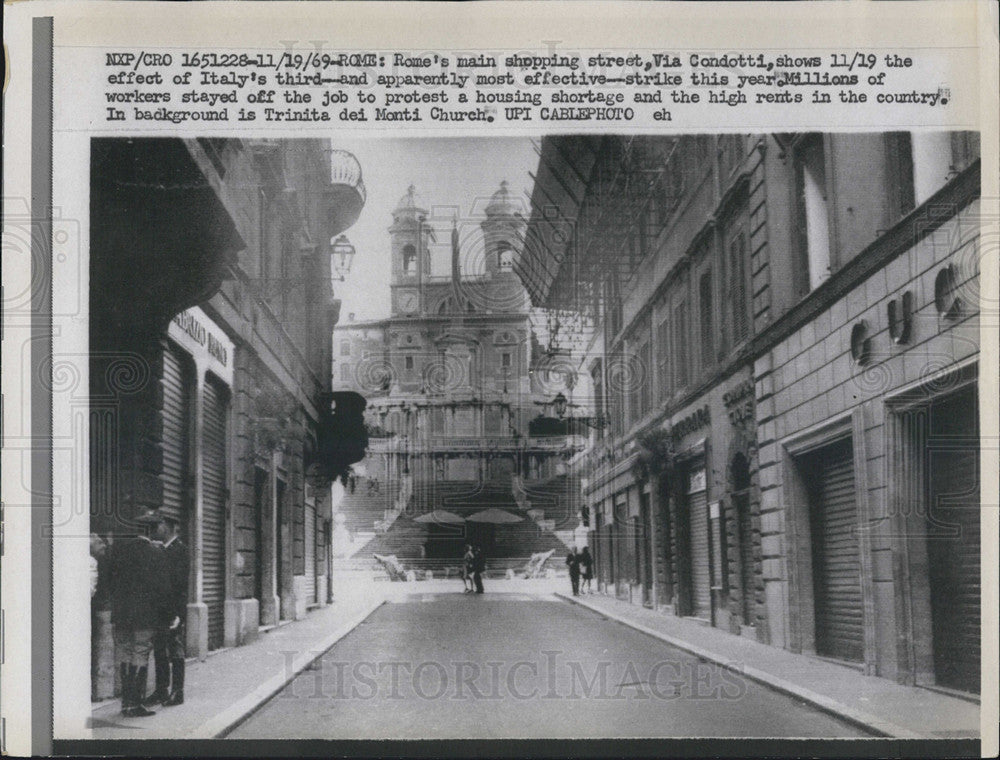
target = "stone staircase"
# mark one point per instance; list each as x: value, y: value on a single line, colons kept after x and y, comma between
x: 553, y: 503
x: 406, y: 538
x: 365, y: 507
x: 461, y: 496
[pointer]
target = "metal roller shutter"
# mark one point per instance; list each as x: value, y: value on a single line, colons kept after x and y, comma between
x: 701, y: 573
x: 623, y: 550
x: 310, y: 552
x: 322, y: 552
x: 608, y: 555
x: 175, y: 416
x: 954, y: 542
x: 836, y: 556
x: 214, y: 511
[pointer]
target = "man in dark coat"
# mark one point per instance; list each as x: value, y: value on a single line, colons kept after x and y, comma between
x: 586, y: 569
x: 169, y: 642
x: 478, y: 568
x: 573, y: 561
x: 138, y: 585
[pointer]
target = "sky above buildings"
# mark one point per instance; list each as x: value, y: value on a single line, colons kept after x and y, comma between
x: 453, y: 176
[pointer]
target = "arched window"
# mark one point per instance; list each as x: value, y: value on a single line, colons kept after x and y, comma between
x: 505, y: 256
x: 409, y: 259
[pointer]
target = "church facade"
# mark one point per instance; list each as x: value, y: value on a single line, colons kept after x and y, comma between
x: 450, y: 376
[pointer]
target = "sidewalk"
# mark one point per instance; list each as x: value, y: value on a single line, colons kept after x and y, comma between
x: 230, y: 684
x: 877, y: 704
x: 226, y: 687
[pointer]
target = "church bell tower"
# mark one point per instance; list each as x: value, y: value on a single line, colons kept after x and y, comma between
x: 410, y: 236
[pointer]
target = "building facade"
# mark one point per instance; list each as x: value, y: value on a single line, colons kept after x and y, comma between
x: 784, y: 344
x: 449, y: 375
x: 220, y: 421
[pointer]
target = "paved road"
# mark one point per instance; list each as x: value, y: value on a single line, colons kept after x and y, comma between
x: 449, y: 666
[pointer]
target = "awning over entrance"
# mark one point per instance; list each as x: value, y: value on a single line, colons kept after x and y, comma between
x: 563, y: 170
x: 161, y: 238
x: 494, y: 516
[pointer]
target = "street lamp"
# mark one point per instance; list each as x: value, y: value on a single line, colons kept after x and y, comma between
x: 560, y: 404
x: 342, y: 255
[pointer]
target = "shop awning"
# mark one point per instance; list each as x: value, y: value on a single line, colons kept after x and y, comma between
x: 564, y: 166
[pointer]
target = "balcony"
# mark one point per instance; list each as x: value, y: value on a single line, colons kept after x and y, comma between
x: 346, y: 195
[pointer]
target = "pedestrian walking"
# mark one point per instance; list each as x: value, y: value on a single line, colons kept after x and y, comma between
x: 169, y: 642
x: 478, y: 568
x: 573, y: 562
x: 138, y: 588
x: 468, y: 568
x: 586, y: 570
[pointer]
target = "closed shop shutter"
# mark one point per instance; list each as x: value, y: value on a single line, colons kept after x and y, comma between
x: 214, y: 510
x: 836, y: 556
x: 322, y: 526
x: 624, y: 548
x: 608, y: 554
x: 176, y: 430
x: 954, y: 541
x: 310, y: 551
x: 701, y: 574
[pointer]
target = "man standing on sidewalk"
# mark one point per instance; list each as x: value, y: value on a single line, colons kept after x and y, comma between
x: 170, y: 639
x: 573, y: 562
x: 137, y: 571
x: 478, y: 567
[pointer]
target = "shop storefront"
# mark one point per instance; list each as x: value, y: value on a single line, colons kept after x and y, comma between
x: 869, y: 457
x: 196, y: 390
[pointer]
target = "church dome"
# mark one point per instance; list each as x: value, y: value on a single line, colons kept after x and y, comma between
x: 502, y: 202
x: 410, y: 203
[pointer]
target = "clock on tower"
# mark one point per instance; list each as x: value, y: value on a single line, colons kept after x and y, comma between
x: 408, y: 302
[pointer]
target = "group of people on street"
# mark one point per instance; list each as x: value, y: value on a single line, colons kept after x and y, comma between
x: 581, y: 568
x: 146, y: 580
x: 473, y: 567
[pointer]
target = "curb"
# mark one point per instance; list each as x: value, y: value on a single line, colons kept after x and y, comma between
x: 859, y: 718
x: 221, y: 724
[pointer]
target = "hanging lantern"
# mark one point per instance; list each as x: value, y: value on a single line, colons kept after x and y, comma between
x: 342, y: 256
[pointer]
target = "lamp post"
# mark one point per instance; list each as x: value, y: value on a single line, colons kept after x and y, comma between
x: 341, y: 257
x: 560, y: 405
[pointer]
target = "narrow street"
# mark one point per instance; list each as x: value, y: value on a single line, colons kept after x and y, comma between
x: 448, y: 665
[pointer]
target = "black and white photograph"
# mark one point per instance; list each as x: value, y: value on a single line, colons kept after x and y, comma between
x: 431, y: 379
x: 575, y: 436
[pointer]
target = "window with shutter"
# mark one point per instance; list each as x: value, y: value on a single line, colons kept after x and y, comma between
x: 680, y: 346
x: 899, y: 157
x: 633, y: 372
x: 597, y: 379
x: 738, y: 288
x: 663, y: 364
x: 812, y: 224
x: 705, y: 322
